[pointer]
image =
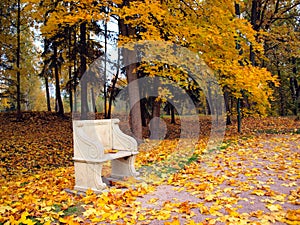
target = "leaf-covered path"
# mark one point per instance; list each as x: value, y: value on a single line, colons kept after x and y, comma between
x: 252, y: 179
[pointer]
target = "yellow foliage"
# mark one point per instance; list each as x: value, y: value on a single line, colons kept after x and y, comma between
x: 213, y: 32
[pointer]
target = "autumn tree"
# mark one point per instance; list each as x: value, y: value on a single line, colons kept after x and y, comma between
x: 128, y: 30
x: 66, y: 27
x: 6, y: 58
x: 277, y: 24
x: 212, y: 30
x: 18, y: 55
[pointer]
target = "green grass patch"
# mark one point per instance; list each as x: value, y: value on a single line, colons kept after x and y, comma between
x: 74, y: 210
x: 169, y: 166
x: 276, y: 131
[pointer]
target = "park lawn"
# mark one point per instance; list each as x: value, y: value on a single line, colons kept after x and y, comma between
x: 250, y: 178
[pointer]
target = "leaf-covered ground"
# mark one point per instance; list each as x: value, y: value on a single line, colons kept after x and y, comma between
x: 250, y: 179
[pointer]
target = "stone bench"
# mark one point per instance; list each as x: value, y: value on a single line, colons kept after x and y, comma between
x: 94, y: 141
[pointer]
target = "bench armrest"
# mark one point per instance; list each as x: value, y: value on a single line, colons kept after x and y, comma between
x: 86, y: 147
x: 121, y: 141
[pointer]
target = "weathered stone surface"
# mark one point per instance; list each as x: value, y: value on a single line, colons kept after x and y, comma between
x: 91, y: 140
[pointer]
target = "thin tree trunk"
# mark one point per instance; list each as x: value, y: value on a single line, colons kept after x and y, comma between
x: 105, y: 68
x: 251, y: 56
x: 75, y: 75
x: 59, y: 103
x: 46, y: 75
x: 293, y: 85
x: 112, y: 93
x: 144, y: 112
x: 295, y: 89
x: 226, y: 98
x: 155, y: 121
x: 239, y: 117
x: 281, y: 95
x: 154, y: 125
x: 47, y: 93
x: 93, y: 100
x: 172, y: 109
x: 114, y: 82
x: 19, y: 114
x: 70, y: 68
x: 83, y: 80
x: 253, y: 21
x: 209, y: 102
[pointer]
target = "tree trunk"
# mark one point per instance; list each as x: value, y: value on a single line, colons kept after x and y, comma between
x: 83, y: 80
x: 134, y: 94
x: 155, y: 121
x: 251, y: 56
x: 281, y: 95
x: 239, y: 117
x: 172, y: 109
x: 47, y: 93
x: 19, y: 114
x: 144, y: 112
x: 75, y: 74
x: 134, y: 97
x: 59, y: 103
x: 105, y: 68
x: 226, y: 98
x: 253, y: 21
x: 93, y: 100
x: 114, y: 82
x: 209, y: 102
x: 295, y: 88
x: 155, y: 117
x: 70, y: 68
x: 112, y: 93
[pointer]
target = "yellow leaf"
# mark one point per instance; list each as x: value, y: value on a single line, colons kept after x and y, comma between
x: 69, y: 220
x: 257, y: 213
x: 203, y: 209
x: 202, y: 187
x: 153, y: 200
x: 141, y: 217
x: 279, y: 197
x: 24, y: 219
x: 274, y: 207
x: 114, y: 216
x: 293, y: 215
x: 258, y: 192
x: 267, y: 200
x: 5, y: 208
x: 89, y: 212
x: 232, y: 212
x: 290, y: 184
x: 163, y: 215
x: 209, y: 198
x: 174, y: 222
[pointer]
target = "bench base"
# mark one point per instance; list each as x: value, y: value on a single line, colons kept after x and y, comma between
x: 88, y: 174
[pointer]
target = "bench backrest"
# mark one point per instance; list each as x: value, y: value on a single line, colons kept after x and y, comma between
x: 95, y: 136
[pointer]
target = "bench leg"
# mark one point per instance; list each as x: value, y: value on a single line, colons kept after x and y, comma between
x: 88, y: 176
x: 123, y: 167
